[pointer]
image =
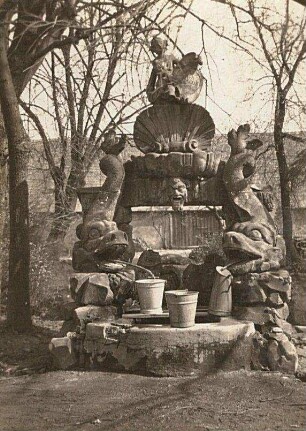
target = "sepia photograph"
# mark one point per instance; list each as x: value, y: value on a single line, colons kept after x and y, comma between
x: 152, y: 215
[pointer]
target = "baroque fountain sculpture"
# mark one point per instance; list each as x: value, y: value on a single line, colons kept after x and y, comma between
x: 179, y: 167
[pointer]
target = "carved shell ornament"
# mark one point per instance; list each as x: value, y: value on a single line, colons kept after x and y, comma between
x: 173, y: 127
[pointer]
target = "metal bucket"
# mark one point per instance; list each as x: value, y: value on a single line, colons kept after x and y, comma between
x: 220, y: 303
x: 150, y: 294
x: 182, y: 306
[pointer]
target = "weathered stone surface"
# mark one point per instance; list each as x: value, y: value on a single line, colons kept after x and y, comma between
x: 275, y: 299
x: 139, y: 191
x: 300, y: 328
x: 63, y: 352
x: 166, y: 351
x: 248, y: 293
x: 91, y: 288
x: 256, y: 314
x: 279, y: 281
x: 90, y: 313
x: 169, y: 267
x: 259, y: 359
x: 271, y: 287
x: 287, y: 328
x: 298, y: 302
x: 261, y: 314
x: 175, y: 164
x: 281, y: 353
x: 99, y: 237
x: 299, y: 338
x: 172, y: 80
x: 251, y: 233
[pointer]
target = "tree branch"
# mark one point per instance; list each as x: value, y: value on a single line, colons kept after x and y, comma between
x: 44, y: 138
x: 294, y: 138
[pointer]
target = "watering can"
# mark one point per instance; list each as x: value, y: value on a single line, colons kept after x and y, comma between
x: 220, y: 303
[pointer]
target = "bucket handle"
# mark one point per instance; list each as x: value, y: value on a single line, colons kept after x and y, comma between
x: 133, y: 265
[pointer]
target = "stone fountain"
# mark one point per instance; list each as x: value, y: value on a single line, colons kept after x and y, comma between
x: 177, y: 167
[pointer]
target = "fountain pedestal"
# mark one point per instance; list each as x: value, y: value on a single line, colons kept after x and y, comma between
x: 165, y: 351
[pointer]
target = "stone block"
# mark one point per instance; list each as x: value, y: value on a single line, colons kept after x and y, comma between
x: 298, y: 302
x: 254, y: 288
x: 91, y: 288
x: 62, y: 350
x: 90, y: 313
x: 279, y: 281
x: 256, y: 314
x: 259, y: 358
x: 300, y: 329
x: 282, y: 354
x: 165, y: 351
x: 261, y: 314
x: 275, y: 299
x: 287, y: 328
x: 248, y: 294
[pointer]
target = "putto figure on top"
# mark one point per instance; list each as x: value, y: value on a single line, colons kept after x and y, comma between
x: 172, y: 79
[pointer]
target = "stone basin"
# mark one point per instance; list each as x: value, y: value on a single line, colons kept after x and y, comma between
x: 161, y: 350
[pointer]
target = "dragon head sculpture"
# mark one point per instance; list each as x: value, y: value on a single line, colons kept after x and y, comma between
x: 250, y: 242
x: 251, y: 248
x: 99, y: 241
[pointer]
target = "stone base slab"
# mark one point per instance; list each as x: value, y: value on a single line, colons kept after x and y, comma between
x: 165, y: 351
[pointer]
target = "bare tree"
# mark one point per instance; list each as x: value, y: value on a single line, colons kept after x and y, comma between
x: 283, y: 43
x: 92, y: 87
x: 274, y: 39
x: 30, y: 29
x: 18, y: 299
x: 22, y: 44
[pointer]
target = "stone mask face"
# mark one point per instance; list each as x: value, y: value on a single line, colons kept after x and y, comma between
x: 177, y: 194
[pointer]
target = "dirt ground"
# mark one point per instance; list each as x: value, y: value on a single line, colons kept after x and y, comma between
x: 88, y: 401
x: 27, y: 353
x: 33, y: 398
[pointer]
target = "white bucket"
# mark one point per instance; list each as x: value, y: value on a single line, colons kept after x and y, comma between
x: 150, y: 294
x: 182, y: 306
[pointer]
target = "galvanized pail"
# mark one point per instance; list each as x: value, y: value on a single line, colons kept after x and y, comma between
x: 182, y: 306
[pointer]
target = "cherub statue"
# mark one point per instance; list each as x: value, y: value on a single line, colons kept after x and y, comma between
x: 173, y: 79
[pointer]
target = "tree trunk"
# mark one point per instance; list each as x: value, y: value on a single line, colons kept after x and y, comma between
x: 3, y: 185
x: 18, y: 312
x: 280, y: 112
